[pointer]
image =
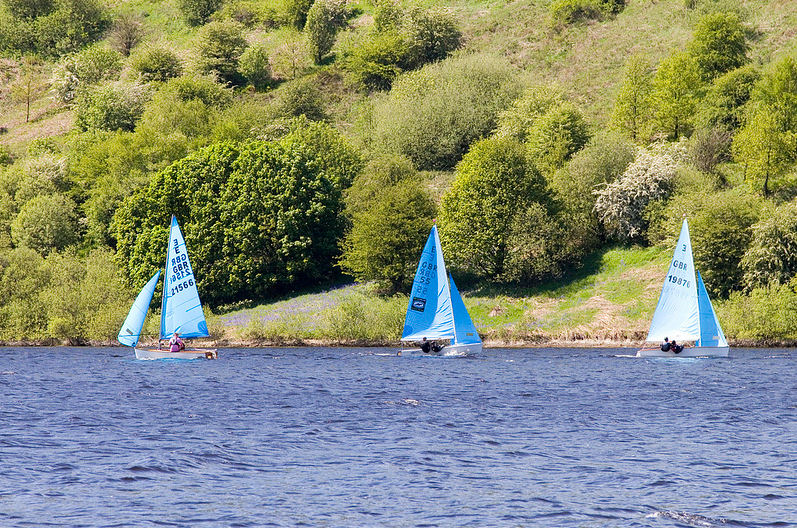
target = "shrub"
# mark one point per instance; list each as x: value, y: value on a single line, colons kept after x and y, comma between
x: 156, y: 64
x: 46, y: 223
x: 73, y: 25
x: 221, y: 45
x: 116, y: 106
x: 388, y: 16
x: 767, y: 315
x: 254, y: 66
x: 718, y: 44
x: 564, y: 12
x: 494, y: 183
x: 555, y: 136
x: 301, y: 97
x: 516, y: 120
x: 21, y: 311
x: 29, y: 9
x: 430, y: 35
x: 771, y: 257
x: 126, y: 34
x: 197, y: 12
x: 621, y: 204
x: 202, y: 88
x: 86, y: 68
x: 291, y: 58
x: 43, y: 174
x: 324, y: 19
x: 433, y: 115
x: 5, y: 156
x: 709, y: 148
x: 374, y: 64
x: 766, y: 150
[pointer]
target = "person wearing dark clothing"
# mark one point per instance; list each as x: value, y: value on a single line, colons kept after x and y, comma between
x: 666, y: 345
x: 436, y: 347
x: 426, y: 346
x: 676, y: 347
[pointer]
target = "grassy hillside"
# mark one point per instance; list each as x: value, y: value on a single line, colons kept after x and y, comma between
x: 609, y: 300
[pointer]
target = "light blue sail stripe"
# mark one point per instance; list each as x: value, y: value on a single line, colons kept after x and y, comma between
x: 429, y: 312
x: 179, y: 291
x: 676, y: 314
x: 131, y: 328
x: 466, y: 332
x: 711, y: 334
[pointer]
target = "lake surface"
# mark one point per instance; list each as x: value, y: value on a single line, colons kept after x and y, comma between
x: 343, y: 437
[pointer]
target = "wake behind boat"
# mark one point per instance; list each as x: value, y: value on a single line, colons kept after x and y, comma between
x: 436, y: 311
x: 181, y: 309
x: 684, y: 311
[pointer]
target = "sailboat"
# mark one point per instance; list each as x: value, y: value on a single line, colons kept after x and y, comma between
x: 435, y: 309
x: 684, y: 311
x: 181, y: 310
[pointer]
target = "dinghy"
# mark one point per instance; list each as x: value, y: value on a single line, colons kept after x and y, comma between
x: 435, y: 309
x: 684, y: 311
x: 181, y: 310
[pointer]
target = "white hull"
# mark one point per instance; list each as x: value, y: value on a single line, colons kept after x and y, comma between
x: 458, y: 349
x: 686, y: 352
x: 149, y: 353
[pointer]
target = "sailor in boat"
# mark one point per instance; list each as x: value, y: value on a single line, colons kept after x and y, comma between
x: 426, y: 346
x: 437, y: 347
x: 175, y: 343
x: 665, y: 347
x: 675, y: 347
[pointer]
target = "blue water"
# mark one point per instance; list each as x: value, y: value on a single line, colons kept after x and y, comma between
x: 361, y: 438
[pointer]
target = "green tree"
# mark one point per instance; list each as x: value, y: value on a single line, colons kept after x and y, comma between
x: 718, y: 44
x: 296, y: 12
x: 777, y: 89
x: 126, y: 34
x: 324, y: 19
x: 86, y: 68
x: 46, y: 223
x: 388, y: 234
x: 555, y: 136
x: 431, y: 35
x: 198, y: 12
x: 29, y: 9
x: 771, y: 257
x: 220, y: 47
x: 633, y: 109
x: 29, y: 85
x: 116, y: 106
x: 494, y: 182
x: 724, y: 104
x: 676, y: 90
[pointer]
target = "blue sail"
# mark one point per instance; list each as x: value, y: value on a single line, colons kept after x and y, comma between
x: 429, y: 313
x: 131, y: 328
x: 181, y: 310
x: 710, y: 332
x: 676, y: 314
x: 464, y: 328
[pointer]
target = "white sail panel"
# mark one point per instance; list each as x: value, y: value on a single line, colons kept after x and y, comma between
x: 181, y: 310
x: 131, y: 328
x: 676, y: 314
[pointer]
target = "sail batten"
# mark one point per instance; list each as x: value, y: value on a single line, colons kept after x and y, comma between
x: 131, y: 328
x: 677, y: 314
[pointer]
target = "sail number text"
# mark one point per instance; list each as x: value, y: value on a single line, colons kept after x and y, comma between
x: 180, y: 270
x: 424, y: 276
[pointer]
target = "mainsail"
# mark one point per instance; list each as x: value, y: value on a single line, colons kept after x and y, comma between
x: 429, y: 313
x: 181, y: 310
x: 676, y: 314
x: 465, y: 331
x: 131, y: 329
x: 710, y: 331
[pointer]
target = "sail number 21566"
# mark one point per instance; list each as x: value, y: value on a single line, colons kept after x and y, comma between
x: 177, y: 288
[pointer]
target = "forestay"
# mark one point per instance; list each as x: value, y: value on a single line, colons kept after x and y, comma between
x: 711, y: 334
x: 676, y: 314
x: 429, y: 313
x: 464, y: 328
x: 131, y: 329
x: 181, y: 309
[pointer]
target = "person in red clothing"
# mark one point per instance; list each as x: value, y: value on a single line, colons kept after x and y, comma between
x: 175, y: 343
